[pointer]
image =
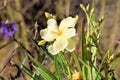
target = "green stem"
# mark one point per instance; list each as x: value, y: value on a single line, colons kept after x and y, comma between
x: 90, y: 72
x: 83, y: 63
x: 76, y: 61
x: 57, y: 68
x: 101, y: 64
x: 68, y: 68
x: 69, y: 73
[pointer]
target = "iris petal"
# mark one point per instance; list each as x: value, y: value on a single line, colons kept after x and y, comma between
x: 68, y: 33
x: 47, y: 35
x: 52, y: 50
x: 62, y: 37
x: 72, y: 43
x: 52, y: 25
x: 60, y: 44
x: 68, y: 22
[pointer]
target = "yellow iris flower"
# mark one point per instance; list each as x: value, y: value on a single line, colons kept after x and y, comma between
x: 62, y: 36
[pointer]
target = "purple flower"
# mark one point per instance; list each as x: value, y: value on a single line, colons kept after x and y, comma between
x: 8, y: 29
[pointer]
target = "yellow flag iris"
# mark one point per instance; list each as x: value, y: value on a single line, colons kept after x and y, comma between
x: 62, y: 36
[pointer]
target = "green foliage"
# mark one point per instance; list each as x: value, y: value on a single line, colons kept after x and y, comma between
x: 45, y: 73
x: 86, y: 64
x: 68, y: 63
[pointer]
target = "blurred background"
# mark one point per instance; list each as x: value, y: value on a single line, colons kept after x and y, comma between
x: 25, y: 13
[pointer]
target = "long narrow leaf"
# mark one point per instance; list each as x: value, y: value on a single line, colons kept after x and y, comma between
x: 43, y: 70
x: 41, y: 48
x: 57, y: 67
x: 26, y: 70
x: 43, y: 73
x: 76, y: 61
x: 30, y: 73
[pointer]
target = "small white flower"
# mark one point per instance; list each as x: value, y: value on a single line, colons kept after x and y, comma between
x: 62, y: 36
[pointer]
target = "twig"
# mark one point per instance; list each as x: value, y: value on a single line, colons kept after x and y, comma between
x: 9, y: 59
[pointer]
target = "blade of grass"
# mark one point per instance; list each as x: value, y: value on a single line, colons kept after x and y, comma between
x: 43, y: 73
x: 65, y: 63
x: 41, y: 48
x: 43, y: 70
x: 84, y: 68
x: 30, y: 73
x: 26, y: 70
x: 101, y: 65
x: 76, y: 61
x: 67, y: 67
x: 57, y: 67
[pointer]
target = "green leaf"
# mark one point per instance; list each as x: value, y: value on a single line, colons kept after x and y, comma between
x: 57, y: 67
x: 74, y: 55
x: 64, y: 63
x: 40, y: 47
x: 84, y: 57
x: 45, y: 73
x: 26, y: 70
x: 30, y: 73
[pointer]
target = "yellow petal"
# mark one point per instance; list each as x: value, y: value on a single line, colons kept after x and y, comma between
x: 52, y: 50
x: 68, y: 33
x: 60, y: 44
x: 47, y: 35
x: 42, y: 42
x: 72, y: 43
x: 52, y: 25
x: 77, y: 76
x: 68, y: 22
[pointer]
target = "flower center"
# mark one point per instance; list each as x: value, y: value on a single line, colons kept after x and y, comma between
x: 59, y: 33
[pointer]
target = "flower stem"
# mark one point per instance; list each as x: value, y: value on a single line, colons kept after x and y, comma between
x: 76, y: 61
